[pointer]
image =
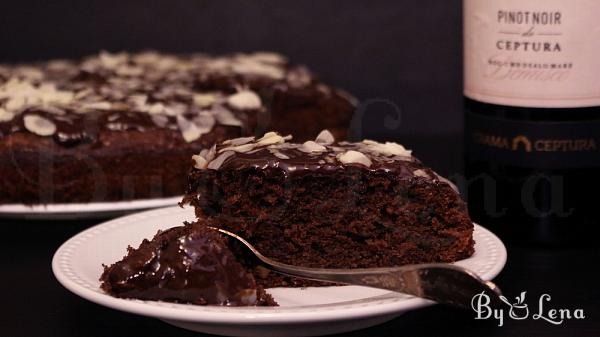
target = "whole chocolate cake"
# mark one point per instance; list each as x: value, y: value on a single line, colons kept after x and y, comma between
x: 186, y: 264
x: 123, y: 126
x: 330, y: 204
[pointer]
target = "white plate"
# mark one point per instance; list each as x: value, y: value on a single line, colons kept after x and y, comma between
x: 308, y: 312
x: 92, y: 210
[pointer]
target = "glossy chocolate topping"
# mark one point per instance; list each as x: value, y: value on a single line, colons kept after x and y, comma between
x: 74, y: 101
x: 273, y: 151
x: 187, y: 264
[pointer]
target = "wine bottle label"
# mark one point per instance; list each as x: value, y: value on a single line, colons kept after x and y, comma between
x: 539, y: 144
x: 534, y: 53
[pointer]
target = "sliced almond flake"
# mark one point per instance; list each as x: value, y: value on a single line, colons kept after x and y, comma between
x: 199, y: 162
x: 97, y: 106
x: 60, y: 65
x: 255, y: 150
x: 368, y: 142
x: 175, y: 109
x: 325, y: 138
x: 113, y: 117
x: 267, y: 57
x: 189, y: 131
x: 6, y: 116
x: 217, y: 162
x: 64, y: 119
x: 139, y: 101
x: 112, y: 61
x: 299, y: 77
x: 280, y: 155
x: 191, y: 134
x: 420, y: 173
x: 354, y: 157
x: 182, y: 92
x: 205, y: 121
x: 119, y: 106
x: 146, y: 57
x: 240, y: 148
x: 82, y: 93
x: 203, y: 152
x: 387, y: 148
x: 270, y: 138
x: 403, y: 158
x: 39, y: 125
x: 127, y: 70
x: 268, y: 135
x: 212, y: 153
x: 324, y: 89
x: 204, y: 100
x: 160, y: 120
x: 52, y: 109
x: 156, y: 108
x: 251, y: 67
x: 351, y: 99
x: 337, y: 148
x: 209, y: 154
x: 192, y: 130
x: 312, y: 147
x: 238, y: 141
x: 219, y: 64
x: 15, y: 103
x: 391, y: 148
x: 226, y: 117
x: 245, y: 100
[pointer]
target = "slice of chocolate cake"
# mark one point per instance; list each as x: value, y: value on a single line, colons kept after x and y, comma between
x: 330, y: 205
x: 186, y: 264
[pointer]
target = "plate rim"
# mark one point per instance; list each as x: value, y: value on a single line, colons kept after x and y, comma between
x: 42, y: 210
x: 244, y: 315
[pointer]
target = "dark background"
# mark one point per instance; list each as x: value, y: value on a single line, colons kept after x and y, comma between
x: 404, y: 53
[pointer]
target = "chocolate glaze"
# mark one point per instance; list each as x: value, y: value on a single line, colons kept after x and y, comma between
x: 291, y: 159
x: 300, y: 161
x: 187, y: 264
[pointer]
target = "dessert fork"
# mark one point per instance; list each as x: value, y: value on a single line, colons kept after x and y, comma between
x: 440, y: 282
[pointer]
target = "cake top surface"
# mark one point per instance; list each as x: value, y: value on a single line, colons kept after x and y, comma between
x: 324, y: 153
x: 190, y: 263
x: 140, y: 91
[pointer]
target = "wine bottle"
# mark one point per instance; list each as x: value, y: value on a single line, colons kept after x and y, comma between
x: 532, y: 117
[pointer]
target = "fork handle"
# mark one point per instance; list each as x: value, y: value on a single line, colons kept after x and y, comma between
x: 442, y: 283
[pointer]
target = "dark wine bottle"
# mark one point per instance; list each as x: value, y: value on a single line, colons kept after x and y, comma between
x: 532, y: 117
